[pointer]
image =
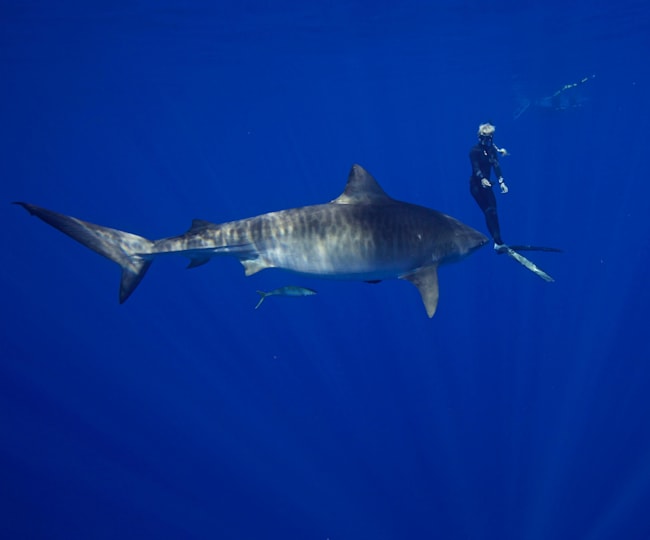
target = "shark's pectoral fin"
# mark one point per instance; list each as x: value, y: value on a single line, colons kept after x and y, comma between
x: 426, y: 280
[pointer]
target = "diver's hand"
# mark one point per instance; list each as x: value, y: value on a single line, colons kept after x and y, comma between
x: 485, y: 183
x: 502, y: 185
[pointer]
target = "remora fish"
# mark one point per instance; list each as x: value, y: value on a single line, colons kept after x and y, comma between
x: 362, y: 235
x: 289, y: 290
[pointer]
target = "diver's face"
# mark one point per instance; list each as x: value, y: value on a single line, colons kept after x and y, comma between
x: 485, y: 140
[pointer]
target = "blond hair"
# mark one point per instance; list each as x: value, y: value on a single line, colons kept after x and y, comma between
x: 486, y: 130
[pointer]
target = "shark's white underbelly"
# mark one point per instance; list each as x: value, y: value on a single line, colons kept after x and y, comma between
x: 339, y: 261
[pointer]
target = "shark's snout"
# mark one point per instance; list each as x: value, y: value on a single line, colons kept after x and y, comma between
x: 470, y: 241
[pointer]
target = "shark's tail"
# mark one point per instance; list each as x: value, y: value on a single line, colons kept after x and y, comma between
x: 131, y: 252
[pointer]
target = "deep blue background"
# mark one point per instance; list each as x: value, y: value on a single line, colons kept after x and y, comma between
x: 521, y: 410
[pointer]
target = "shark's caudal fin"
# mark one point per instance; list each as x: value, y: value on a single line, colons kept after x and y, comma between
x: 128, y: 250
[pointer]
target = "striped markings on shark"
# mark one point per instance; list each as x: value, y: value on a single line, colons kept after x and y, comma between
x: 362, y: 235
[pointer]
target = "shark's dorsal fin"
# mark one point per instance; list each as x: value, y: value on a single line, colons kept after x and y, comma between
x: 361, y: 188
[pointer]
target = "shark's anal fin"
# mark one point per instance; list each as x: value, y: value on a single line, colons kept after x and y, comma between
x: 198, y: 261
x: 527, y: 263
x: 426, y: 280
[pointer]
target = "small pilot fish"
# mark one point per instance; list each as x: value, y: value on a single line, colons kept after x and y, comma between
x: 289, y: 290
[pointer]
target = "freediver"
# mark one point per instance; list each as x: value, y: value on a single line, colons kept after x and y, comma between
x: 484, y: 157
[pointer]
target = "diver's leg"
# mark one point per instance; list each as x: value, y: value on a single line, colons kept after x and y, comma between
x: 491, y: 216
x: 487, y: 202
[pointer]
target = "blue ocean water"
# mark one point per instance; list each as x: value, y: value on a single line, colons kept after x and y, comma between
x: 520, y: 411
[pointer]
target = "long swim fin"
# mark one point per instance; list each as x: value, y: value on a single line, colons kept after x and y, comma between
x: 527, y: 263
x: 527, y: 247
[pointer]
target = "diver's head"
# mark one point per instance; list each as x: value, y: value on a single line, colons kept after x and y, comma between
x: 485, y: 134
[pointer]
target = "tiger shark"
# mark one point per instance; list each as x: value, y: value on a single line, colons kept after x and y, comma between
x: 362, y: 235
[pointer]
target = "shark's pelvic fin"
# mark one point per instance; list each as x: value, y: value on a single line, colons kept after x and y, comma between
x: 426, y: 280
x: 253, y: 266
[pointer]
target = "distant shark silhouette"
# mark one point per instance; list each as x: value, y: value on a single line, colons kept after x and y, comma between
x: 363, y: 235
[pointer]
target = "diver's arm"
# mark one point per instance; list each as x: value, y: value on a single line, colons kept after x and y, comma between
x: 498, y: 173
x: 497, y: 168
x: 475, y: 160
x: 475, y: 156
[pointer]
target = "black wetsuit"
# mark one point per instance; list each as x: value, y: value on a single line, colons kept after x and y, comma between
x: 483, y: 158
